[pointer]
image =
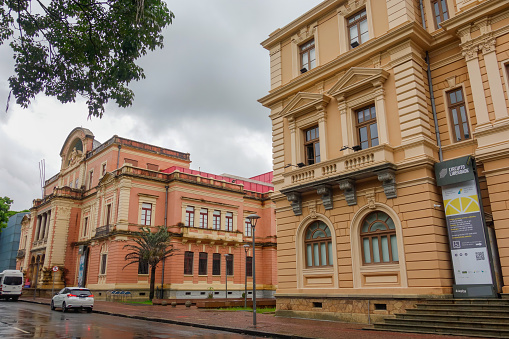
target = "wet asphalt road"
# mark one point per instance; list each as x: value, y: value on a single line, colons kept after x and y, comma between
x: 23, y: 320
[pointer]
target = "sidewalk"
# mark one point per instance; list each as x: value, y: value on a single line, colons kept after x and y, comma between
x: 242, y: 322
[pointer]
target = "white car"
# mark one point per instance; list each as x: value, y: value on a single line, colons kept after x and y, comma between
x: 73, y: 297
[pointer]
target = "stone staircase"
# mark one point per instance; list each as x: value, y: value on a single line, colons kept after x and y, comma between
x: 487, y: 318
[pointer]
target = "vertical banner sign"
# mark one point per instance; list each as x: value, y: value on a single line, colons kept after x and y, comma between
x: 81, y: 266
x: 466, y: 229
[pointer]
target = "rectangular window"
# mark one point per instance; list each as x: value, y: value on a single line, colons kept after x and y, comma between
x: 357, y: 26
x: 76, y: 184
x: 85, y: 226
x: 188, y: 262
x: 90, y: 178
x: 143, y: 267
x: 108, y: 214
x: 307, y: 56
x: 204, y: 218
x: 190, y: 216
x: 229, y: 221
x: 216, y: 220
x: 458, y: 112
x: 104, y: 260
x: 103, y: 170
x: 153, y: 167
x: 440, y: 12
x: 202, y: 263
x: 131, y: 162
x: 229, y: 264
x: 247, y: 228
x: 216, y: 264
x: 146, y: 214
x: 249, y: 266
x: 312, y: 146
x: 367, y: 129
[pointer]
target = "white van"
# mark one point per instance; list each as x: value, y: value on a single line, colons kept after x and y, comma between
x: 11, y: 284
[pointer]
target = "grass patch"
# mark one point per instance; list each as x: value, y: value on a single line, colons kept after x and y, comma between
x: 250, y: 309
x: 139, y: 302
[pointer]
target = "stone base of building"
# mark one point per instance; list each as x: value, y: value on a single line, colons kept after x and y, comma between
x: 363, y: 310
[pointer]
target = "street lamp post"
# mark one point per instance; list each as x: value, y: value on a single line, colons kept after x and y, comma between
x: 246, y: 248
x: 254, y: 218
x: 226, y: 270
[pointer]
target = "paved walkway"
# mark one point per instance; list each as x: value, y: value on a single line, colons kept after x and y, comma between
x: 268, y: 325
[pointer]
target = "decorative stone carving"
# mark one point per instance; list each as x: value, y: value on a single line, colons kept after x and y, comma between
x: 488, y: 45
x: 348, y: 188
x: 325, y: 191
x: 371, y: 198
x: 388, y: 179
x: 295, y: 200
x: 312, y: 214
x: 470, y: 53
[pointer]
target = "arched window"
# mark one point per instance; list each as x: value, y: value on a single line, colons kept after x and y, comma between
x: 318, y: 245
x: 378, y: 238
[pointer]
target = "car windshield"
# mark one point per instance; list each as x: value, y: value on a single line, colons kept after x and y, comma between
x: 13, y: 281
x: 80, y: 292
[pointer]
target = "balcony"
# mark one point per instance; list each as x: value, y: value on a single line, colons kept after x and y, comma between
x: 20, y: 254
x: 376, y: 162
x: 357, y: 165
x: 103, y: 231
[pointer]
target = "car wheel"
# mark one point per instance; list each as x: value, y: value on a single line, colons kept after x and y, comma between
x: 52, y: 306
x: 64, y: 309
x: 15, y: 298
x: 89, y: 310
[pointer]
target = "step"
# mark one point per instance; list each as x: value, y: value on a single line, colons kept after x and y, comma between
x: 478, y: 307
x: 448, y: 323
x: 468, y: 301
x: 456, y: 311
x: 437, y: 329
x: 455, y: 317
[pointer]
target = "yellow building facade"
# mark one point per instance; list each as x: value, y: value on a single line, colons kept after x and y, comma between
x: 366, y: 97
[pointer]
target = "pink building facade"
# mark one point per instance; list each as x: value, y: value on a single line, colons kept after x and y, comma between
x: 104, y: 192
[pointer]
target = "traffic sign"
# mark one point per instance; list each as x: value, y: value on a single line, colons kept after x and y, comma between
x: 55, y: 268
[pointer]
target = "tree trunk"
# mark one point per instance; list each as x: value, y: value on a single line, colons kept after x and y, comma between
x: 152, y: 281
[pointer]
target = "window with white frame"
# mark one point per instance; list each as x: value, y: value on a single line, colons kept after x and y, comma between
x: 189, y: 216
x: 204, y: 218
x: 247, y: 228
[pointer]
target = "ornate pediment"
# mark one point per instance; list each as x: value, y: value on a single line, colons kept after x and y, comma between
x: 357, y: 79
x: 106, y: 178
x: 304, y: 102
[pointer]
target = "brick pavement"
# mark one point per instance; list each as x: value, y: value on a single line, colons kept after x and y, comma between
x: 242, y: 322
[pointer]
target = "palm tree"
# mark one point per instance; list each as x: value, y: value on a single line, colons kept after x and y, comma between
x: 150, y: 247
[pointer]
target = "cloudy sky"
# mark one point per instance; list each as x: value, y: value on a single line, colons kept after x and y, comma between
x: 200, y: 96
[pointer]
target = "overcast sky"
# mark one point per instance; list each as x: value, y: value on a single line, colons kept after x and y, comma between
x: 200, y: 96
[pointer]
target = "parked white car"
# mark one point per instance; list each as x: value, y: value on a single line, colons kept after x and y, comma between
x: 73, y: 297
x: 11, y: 284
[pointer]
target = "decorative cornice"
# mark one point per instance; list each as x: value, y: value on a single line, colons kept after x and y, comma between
x: 409, y: 30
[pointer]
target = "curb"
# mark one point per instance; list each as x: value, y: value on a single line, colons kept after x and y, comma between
x: 183, y: 323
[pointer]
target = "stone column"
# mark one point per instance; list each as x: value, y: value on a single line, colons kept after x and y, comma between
x: 323, y: 134
x: 476, y: 83
x: 492, y: 70
x: 381, y: 117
